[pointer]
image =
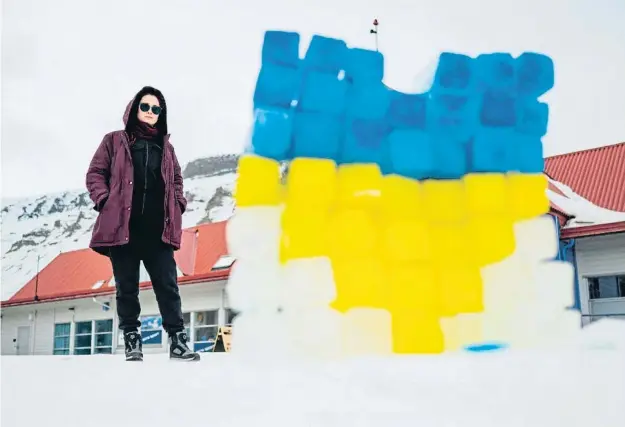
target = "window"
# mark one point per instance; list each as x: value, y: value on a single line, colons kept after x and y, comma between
x: 187, y: 323
x: 151, y: 330
x: 104, y: 336
x: 205, y: 330
x: 82, y: 338
x: 606, y: 287
x: 230, y: 315
x: 61, y: 338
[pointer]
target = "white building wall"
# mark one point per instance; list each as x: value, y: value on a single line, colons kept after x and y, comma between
x: 600, y: 256
x: 41, y: 318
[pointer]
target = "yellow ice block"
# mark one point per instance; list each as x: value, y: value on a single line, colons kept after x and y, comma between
x: 449, y: 243
x: 352, y: 234
x: 413, y: 286
x: 486, y: 194
x: 258, y: 182
x: 359, y: 283
x: 416, y: 333
x: 491, y: 238
x: 304, y: 233
x: 461, y: 288
x: 406, y: 240
x: 311, y: 183
x: 359, y: 186
x: 527, y: 195
x: 401, y: 199
x: 445, y: 201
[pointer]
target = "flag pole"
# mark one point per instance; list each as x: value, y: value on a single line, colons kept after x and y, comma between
x: 374, y: 31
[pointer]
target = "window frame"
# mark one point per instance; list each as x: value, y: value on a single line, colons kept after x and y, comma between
x: 97, y: 347
x: 594, y: 289
x: 76, y: 335
x: 66, y: 351
x: 202, y: 346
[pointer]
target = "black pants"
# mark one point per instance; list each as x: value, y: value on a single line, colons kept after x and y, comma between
x: 158, y: 259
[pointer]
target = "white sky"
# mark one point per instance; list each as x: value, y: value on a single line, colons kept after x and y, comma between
x: 70, y: 66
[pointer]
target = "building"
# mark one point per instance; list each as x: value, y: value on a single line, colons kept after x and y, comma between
x: 587, y: 193
x: 69, y: 307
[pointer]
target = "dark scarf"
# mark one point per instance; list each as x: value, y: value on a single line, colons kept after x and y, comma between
x: 144, y: 131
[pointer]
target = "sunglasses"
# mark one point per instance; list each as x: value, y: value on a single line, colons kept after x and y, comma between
x: 146, y: 107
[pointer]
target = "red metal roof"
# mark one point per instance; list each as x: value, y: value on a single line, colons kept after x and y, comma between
x: 593, y: 230
x: 597, y: 174
x: 68, y: 274
x: 73, y: 274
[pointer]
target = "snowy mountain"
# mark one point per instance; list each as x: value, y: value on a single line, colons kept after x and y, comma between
x: 38, y: 229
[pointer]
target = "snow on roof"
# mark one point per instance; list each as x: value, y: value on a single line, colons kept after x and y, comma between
x: 584, y: 212
x: 225, y: 261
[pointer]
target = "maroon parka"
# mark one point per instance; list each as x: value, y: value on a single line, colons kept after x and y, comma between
x: 109, y: 182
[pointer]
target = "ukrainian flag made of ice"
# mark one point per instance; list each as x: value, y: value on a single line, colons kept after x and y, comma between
x: 403, y: 223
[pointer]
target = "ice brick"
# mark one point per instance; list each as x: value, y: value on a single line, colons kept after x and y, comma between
x: 364, y: 66
x: 326, y: 54
x: 309, y: 282
x: 276, y: 87
x: 255, y: 286
x: 317, y: 135
x: 367, y: 331
x: 281, y: 48
x: 273, y: 131
x: 254, y: 233
x: 535, y: 74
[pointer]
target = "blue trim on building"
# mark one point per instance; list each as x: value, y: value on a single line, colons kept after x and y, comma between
x: 566, y: 252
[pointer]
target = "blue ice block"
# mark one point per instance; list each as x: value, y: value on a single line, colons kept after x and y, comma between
x: 272, y: 134
x: 317, y: 135
x: 532, y: 118
x: 326, y: 54
x: 281, y: 48
x: 364, y: 66
x: 491, y: 149
x: 407, y: 111
x: 535, y: 74
x: 367, y: 101
x: 454, y: 74
x: 498, y: 109
x: 486, y: 347
x: 276, y: 86
x: 496, y: 71
x: 451, y: 158
x: 365, y: 141
x: 455, y: 116
x: 322, y: 92
x: 527, y: 155
x: 411, y: 153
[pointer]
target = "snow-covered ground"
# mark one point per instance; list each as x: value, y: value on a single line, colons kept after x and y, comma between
x: 582, y: 386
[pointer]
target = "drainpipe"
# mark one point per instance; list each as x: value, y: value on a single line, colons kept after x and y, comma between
x: 570, y: 246
x: 562, y: 256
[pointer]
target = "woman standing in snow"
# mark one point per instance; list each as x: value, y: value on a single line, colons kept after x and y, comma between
x: 135, y: 182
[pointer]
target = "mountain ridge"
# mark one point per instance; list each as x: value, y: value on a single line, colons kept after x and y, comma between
x: 36, y: 229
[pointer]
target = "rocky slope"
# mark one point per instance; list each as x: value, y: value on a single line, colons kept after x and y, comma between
x: 35, y: 230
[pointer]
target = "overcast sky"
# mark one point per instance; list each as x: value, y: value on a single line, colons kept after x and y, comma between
x: 70, y: 66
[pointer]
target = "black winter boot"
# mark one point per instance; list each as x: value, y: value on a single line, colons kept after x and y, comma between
x: 134, y: 346
x: 179, y: 350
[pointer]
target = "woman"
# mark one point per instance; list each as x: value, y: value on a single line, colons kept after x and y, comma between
x: 135, y: 182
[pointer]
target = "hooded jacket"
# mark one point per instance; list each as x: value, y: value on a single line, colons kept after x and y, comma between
x: 110, y: 183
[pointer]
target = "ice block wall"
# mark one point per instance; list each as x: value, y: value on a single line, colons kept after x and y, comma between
x: 406, y: 223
